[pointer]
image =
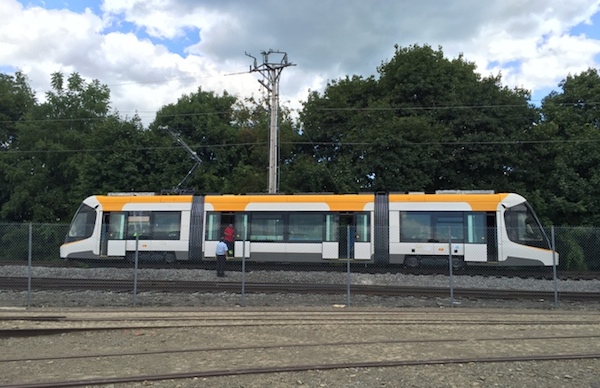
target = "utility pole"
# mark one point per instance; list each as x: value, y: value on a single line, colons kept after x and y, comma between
x: 271, y: 71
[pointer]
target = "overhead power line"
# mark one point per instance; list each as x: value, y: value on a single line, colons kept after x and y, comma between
x: 334, y: 108
x: 336, y: 144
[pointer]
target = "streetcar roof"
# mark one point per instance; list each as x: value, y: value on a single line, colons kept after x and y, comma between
x: 485, y: 201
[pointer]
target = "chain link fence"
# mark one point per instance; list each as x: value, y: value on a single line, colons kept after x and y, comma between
x: 32, y: 275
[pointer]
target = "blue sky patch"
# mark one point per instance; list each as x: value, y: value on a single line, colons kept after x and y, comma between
x: 8, y: 69
x: 76, y: 6
x: 179, y: 44
x: 176, y: 45
x: 589, y: 30
x: 516, y: 65
x: 539, y: 94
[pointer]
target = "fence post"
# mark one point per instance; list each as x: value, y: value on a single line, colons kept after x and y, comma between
x: 29, y: 264
x: 554, y: 276
x: 244, y: 269
x: 450, y: 267
x: 135, y: 268
x: 348, y: 267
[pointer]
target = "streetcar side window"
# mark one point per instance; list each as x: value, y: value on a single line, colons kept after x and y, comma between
x: 166, y: 225
x: 117, y: 225
x: 415, y: 227
x: 267, y: 227
x: 476, y: 228
x: 147, y: 225
x: 305, y: 227
x: 438, y: 226
x: 362, y: 228
x: 449, y: 226
x: 138, y: 225
x: 213, y: 226
x: 82, y: 225
x: 331, y: 227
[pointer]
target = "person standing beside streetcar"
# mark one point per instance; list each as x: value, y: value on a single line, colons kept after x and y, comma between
x: 221, y: 253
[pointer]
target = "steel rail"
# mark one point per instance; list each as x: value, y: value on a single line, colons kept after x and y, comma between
x: 21, y: 283
x: 301, y: 368
x: 35, y: 332
x: 296, y: 345
x: 235, y: 264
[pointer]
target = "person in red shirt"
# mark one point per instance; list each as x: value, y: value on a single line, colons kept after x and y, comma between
x: 229, y: 238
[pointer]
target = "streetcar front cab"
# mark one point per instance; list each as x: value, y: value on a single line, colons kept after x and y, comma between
x: 527, y: 242
x: 79, y: 241
x: 82, y: 225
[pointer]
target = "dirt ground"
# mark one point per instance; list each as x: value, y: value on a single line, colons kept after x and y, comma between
x: 209, y: 339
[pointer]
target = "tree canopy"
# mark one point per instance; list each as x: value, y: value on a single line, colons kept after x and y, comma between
x: 421, y: 122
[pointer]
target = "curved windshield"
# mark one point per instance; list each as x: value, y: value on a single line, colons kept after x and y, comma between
x: 83, y: 224
x: 523, y: 226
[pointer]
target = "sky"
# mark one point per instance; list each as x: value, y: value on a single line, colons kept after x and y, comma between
x: 151, y: 52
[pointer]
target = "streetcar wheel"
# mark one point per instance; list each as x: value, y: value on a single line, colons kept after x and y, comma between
x: 458, y: 264
x: 170, y: 258
x: 130, y: 257
x: 411, y: 262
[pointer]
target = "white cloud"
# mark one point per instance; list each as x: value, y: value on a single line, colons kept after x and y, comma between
x: 131, y: 45
x: 537, y: 40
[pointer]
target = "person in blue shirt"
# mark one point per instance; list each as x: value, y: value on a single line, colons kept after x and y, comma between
x: 221, y: 253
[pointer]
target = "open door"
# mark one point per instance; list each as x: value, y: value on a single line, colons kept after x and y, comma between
x: 355, y: 236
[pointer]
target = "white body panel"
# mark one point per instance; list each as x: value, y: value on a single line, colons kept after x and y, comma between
x: 116, y: 248
x: 330, y: 250
x: 476, y: 252
x: 362, y: 251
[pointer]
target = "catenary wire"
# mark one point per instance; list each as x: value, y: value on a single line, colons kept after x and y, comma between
x: 337, y: 144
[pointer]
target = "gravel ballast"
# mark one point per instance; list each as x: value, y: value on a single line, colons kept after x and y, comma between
x: 575, y: 373
x: 222, y: 299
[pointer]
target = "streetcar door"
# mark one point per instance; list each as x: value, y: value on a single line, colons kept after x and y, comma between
x: 104, y: 235
x: 346, y: 236
x: 113, y: 234
x: 362, y: 236
x: 492, y: 237
x: 226, y: 220
x: 331, y: 242
x: 476, y: 237
x: 354, y: 236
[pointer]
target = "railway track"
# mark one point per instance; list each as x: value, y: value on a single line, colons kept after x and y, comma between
x: 299, y: 368
x: 248, y: 348
x: 473, y: 270
x: 64, y: 284
x: 486, y: 271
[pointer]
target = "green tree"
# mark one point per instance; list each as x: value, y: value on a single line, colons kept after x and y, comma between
x: 425, y: 123
x: 122, y: 156
x: 202, y: 119
x: 229, y: 135
x: 48, y: 148
x: 571, y: 119
x: 478, y: 121
x: 16, y: 101
x: 335, y: 131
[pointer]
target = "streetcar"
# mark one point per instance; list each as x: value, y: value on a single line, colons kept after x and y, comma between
x: 411, y: 229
